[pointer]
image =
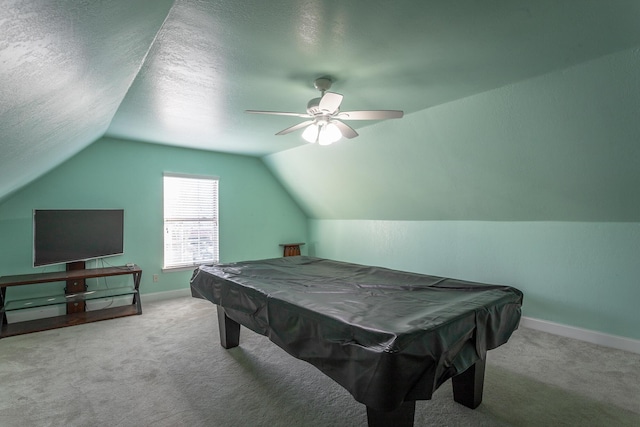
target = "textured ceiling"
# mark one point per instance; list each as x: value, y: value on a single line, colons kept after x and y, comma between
x: 213, y: 60
x: 65, y: 67
x: 183, y: 72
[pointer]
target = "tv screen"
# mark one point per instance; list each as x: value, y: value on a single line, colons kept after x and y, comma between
x: 63, y: 236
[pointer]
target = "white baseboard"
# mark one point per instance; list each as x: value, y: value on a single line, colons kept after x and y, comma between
x: 594, y: 337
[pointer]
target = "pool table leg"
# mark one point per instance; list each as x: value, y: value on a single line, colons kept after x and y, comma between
x: 468, y: 386
x: 401, y: 417
x: 229, y: 330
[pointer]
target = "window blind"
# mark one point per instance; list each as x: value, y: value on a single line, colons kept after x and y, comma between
x: 190, y: 221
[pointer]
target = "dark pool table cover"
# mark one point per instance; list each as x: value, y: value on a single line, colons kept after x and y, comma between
x: 386, y: 336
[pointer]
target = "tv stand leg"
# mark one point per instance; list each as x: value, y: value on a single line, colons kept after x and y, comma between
x: 75, y: 286
x: 229, y: 330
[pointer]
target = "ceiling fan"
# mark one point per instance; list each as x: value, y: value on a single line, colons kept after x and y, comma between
x: 324, y: 123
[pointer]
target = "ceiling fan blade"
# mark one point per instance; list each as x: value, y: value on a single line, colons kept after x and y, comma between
x: 295, y: 127
x: 278, y: 113
x: 370, y: 115
x: 346, y: 130
x: 330, y: 102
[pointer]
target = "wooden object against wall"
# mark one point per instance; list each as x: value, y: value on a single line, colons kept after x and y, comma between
x: 291, y: 249
x: 76, y: 277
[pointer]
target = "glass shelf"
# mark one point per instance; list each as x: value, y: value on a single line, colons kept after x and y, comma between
x: 63, y: 299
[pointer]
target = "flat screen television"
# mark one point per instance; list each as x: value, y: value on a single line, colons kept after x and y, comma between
x: 71, y: 235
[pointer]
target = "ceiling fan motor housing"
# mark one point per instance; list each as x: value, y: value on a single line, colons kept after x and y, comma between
x: 322, y: 84
x: 312, y: 106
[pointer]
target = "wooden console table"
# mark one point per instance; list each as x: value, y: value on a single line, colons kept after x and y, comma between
x: 76, y: 295
x: 291, y: 249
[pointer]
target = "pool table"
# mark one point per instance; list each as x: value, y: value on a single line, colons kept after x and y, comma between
x: 388, y: 337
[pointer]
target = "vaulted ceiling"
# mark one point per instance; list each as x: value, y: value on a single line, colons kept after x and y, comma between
x: 182, y: 72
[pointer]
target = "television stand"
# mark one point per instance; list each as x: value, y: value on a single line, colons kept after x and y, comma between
x: 75, y: 296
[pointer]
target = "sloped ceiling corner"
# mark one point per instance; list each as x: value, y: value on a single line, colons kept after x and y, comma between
x: 183, y: 72
x: 65, y: 68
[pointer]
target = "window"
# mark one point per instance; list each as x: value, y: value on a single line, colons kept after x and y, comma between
x: 190, y: 220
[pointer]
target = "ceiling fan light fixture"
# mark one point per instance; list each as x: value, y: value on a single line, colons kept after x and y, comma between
x: 324, y: 122
x: 310, y: 134
x: 329, y: 134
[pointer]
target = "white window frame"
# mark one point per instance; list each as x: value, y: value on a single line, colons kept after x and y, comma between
x: 190, y: 230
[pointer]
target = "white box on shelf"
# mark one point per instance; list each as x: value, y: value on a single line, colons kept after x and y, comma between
x: 109, y: 302
x: 36, y: 313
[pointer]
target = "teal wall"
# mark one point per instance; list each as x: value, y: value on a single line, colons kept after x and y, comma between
x: 534, y: 184
x: 581, y: 274
x: 256, y: 213
x: 559, y: 147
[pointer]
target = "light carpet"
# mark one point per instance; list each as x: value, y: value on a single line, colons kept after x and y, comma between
x: 167, y: 368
